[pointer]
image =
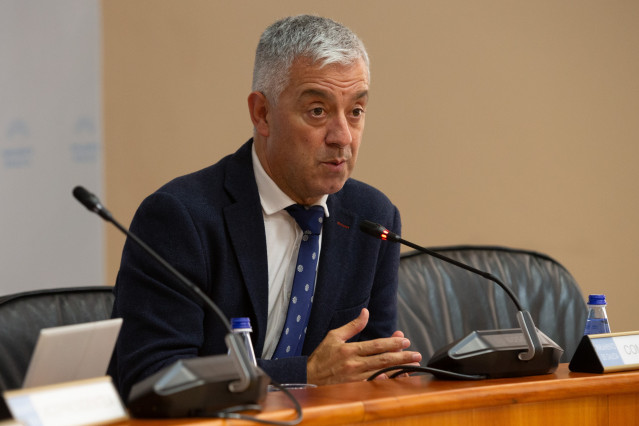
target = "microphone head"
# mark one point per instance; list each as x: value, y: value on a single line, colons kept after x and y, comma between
x: 87, y: 199
x: 91, y: 202
x: 377, y: 231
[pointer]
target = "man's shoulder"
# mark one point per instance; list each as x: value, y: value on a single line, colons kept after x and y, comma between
x: 357, y: 188
x: 210, y: 180
x: 358, y: 195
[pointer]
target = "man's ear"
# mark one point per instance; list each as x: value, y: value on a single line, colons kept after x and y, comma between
x: 258, y: 109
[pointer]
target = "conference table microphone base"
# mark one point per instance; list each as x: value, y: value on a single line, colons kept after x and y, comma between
x: 496, y: 354
x: 196, y: 387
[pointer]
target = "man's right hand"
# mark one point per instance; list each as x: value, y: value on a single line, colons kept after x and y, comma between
x: 335, y: 361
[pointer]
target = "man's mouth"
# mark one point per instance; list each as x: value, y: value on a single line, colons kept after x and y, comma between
x: 336, y: 161
x: 335, y: 165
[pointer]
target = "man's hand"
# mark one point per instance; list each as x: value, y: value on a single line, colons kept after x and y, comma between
x: 335, y: 361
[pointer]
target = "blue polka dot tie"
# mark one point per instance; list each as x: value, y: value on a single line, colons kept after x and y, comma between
x: 299, y: 307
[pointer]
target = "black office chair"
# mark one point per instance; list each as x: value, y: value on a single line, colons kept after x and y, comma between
x: 23, y: 315
x: 439, y: 303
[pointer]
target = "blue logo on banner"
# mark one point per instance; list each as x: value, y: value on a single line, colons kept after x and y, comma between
x: 17, y: 153
x: 85, y: 150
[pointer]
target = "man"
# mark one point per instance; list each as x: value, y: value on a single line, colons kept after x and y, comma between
x: 227, y: 228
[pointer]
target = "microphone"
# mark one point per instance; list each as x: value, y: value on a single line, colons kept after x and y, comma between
x: 191, y: 387
x: 515, y: 352
x: 91, y: 202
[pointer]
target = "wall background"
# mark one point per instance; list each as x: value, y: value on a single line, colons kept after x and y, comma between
x: 50, y: 141
x: 495, y: 122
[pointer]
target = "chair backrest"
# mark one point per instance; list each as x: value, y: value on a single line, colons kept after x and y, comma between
x: 23, y: 315
x: 439, y: 303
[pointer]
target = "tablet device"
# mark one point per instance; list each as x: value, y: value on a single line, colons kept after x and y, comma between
x: 72, y: 352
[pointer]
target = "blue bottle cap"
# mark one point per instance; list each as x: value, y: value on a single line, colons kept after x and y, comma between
x: 241, y: 322
x: 597, y: 299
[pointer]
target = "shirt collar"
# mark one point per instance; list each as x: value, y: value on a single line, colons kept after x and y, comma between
x: 272, y: 198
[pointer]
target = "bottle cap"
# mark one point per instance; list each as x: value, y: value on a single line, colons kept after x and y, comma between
x: 241, y: 322
x: 597, y: 299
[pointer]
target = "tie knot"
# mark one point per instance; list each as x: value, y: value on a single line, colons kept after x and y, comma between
x: 310, y: 220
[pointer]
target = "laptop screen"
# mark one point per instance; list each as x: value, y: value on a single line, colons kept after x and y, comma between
x: 72, y: 352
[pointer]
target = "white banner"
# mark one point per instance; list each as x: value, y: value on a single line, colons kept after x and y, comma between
x: 50, y: 141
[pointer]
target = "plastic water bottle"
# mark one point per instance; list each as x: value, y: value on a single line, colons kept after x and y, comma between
x: 597, y: 321
x: 242, y: 326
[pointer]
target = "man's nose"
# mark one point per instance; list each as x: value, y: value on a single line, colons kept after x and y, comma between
x: 339, y: 131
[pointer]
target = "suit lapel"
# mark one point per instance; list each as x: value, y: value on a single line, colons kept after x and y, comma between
x: 336, y: 242
x: 245, y: 226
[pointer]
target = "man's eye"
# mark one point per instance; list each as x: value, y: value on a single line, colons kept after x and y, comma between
x: 317, y: 111
x: 357, y: 112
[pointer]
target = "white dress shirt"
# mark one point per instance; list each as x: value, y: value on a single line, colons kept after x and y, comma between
x: 283, y: 237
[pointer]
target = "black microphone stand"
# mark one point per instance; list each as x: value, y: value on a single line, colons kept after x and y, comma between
x: 191, y: 387
x: 491, y: 353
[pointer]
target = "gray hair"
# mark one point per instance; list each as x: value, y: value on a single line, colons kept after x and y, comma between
x: 321, y: 40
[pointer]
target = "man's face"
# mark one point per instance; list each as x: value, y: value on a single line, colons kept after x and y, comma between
x: 314, y: 131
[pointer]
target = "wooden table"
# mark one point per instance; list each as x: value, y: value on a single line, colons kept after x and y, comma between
x: 563, y: 398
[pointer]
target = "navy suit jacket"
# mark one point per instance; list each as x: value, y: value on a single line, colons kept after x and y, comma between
x: 209, y: 226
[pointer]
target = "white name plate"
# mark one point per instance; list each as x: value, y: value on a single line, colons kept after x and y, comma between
x: 605, y: 353
x: 82, y: 402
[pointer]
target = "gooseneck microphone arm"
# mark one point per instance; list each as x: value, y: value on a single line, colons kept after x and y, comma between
x: 91, y: 202
x: 523, y: 317
x: 199, y: 388
x: 378, y: 231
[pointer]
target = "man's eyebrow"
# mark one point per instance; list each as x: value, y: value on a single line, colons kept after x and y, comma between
x: 309, y: 93
x: 324, y: 95
x: 361, y: 95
